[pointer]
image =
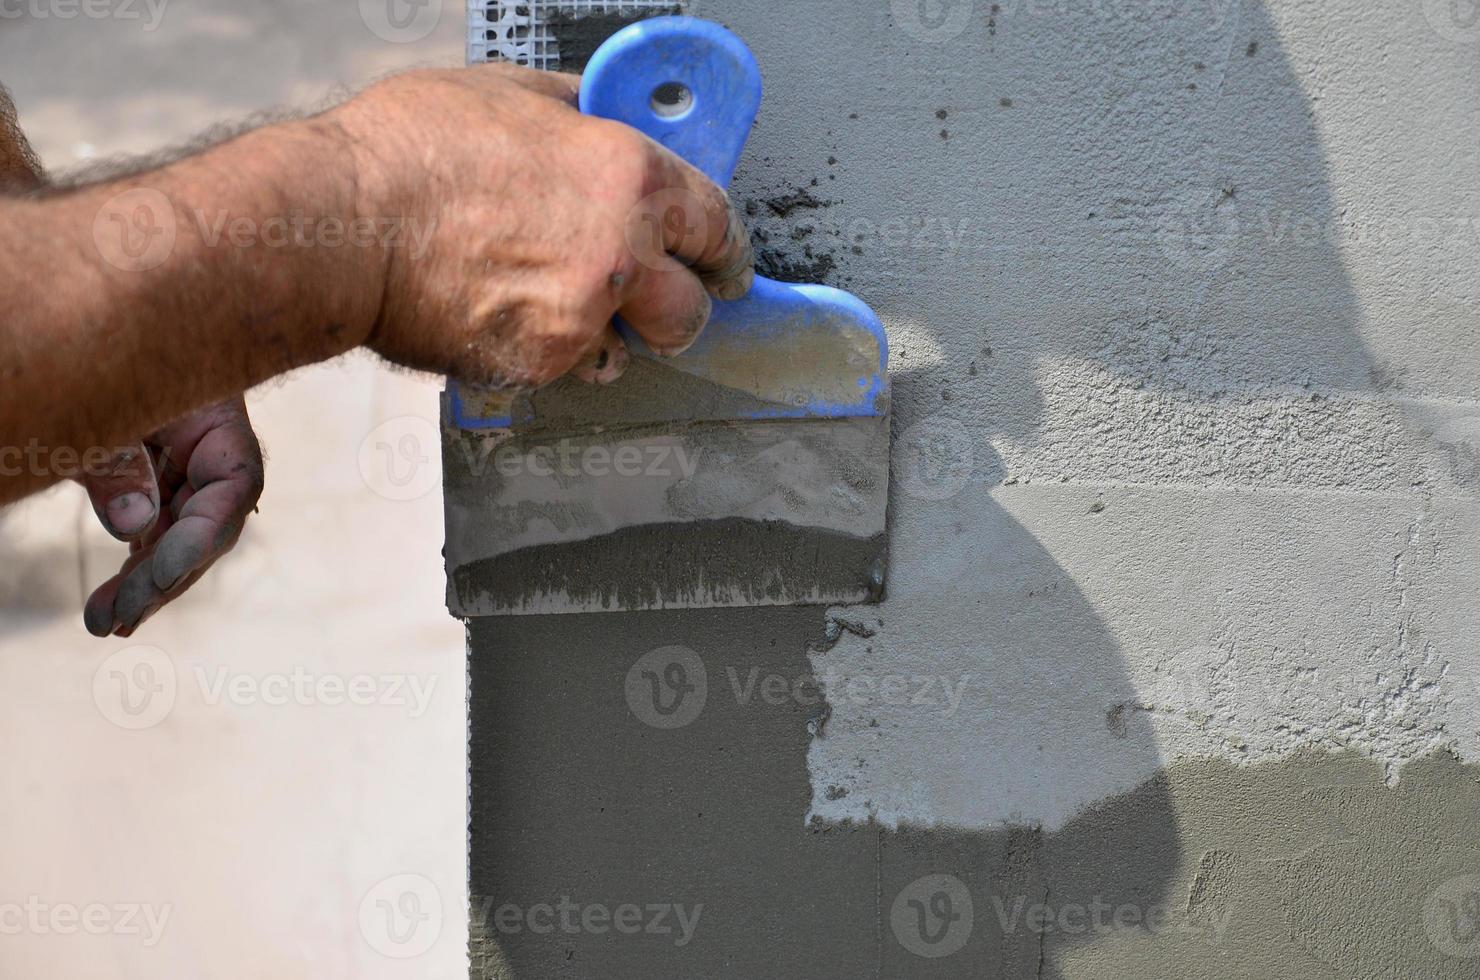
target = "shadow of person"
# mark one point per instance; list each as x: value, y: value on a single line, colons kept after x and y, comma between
x: 686, y: 772
x: 660, y: 761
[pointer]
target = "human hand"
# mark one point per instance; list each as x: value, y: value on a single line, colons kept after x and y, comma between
x: 179, y: 499
x: 534, y: 216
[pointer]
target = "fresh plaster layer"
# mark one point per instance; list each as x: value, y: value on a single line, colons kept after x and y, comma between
x: 588, y: 810
x: 1226, y: 623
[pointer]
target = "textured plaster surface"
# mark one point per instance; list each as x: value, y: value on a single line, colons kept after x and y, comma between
x: 1187, y: 448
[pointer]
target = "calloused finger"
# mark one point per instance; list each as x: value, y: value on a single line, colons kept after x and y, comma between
x: 138, y: 597
x: 149, y: 611
x: 710, y: 238
x: 668, y: 307
x: 97, y: 614
x: 208, y: 526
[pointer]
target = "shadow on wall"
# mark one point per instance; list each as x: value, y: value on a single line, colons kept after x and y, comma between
x: 1103, y: 237
x: 653, y: 766
x: 1100, y: 235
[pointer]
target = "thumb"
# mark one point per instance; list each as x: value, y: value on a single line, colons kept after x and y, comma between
x: 125, y: 493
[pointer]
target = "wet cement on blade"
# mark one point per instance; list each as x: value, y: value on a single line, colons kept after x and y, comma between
x: 816, y: 365
x: 732, y: 561
x: 649, y: 392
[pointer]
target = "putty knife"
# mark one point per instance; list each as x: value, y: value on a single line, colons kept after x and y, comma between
x: 752, y: 470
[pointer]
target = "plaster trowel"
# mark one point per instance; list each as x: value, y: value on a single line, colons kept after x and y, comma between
x: 752, y: 470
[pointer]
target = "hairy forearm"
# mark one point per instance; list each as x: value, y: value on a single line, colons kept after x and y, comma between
x: 470, y: 223
x: 20, y: 171
x: 130, y: 303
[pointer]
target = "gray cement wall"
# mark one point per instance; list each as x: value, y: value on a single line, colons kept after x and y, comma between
x: 1178, y: 671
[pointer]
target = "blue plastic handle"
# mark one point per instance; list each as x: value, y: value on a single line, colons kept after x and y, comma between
x: 689, y: 84
x: 694, y: 87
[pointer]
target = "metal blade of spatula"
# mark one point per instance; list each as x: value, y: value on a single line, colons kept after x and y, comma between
x: 752, y: 470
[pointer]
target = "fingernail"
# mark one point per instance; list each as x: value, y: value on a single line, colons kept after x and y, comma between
x: 129, y: 513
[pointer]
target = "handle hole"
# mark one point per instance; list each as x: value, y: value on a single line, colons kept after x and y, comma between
x: 672, y: 99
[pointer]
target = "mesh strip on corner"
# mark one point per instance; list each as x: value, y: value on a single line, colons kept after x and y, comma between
x: 504, y: 30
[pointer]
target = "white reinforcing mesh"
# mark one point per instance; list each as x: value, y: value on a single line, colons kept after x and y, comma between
x: 506, y: 30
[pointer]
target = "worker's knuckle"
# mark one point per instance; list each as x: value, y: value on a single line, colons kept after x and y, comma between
x: 629, y: 159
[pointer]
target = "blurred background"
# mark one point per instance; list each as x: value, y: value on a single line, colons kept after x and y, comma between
x: 267, y: 780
